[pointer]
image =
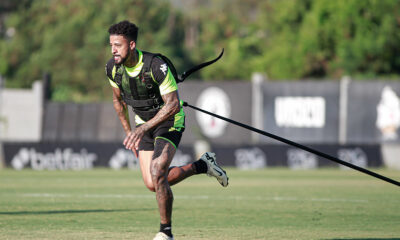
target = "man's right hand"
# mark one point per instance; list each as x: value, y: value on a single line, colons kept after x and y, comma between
x: 133, y: 138
x: 128, y: 143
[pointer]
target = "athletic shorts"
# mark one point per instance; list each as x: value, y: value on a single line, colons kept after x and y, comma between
x: 164, y: 131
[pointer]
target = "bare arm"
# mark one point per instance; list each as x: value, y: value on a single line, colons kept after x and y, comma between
x: 122, y: 110
x: 170, y: 108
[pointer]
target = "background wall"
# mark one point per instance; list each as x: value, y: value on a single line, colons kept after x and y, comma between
x: 310, y: 113
x: 21, y: 112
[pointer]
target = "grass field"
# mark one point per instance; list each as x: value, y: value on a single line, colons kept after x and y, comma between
x: 262, y: 204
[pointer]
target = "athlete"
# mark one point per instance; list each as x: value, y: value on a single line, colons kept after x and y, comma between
x: 144, y: 81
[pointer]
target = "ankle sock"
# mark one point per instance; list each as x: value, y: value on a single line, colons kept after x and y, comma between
x: 200, y: 166
x: 166, y: 228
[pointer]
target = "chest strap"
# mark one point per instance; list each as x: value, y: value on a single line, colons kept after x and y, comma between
x: 141, y: 103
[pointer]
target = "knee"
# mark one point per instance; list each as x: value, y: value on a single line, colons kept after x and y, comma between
x: 149, y: 184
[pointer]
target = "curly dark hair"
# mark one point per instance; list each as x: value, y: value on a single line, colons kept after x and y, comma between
x: 125, y: 28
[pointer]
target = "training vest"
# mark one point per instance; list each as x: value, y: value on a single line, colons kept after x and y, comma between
x: 144, y: 96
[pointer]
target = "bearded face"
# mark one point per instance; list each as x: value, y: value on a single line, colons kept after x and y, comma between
x: 121, y: 48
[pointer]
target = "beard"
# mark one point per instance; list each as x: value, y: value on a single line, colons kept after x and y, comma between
x: 119, y: 60
x: 128, y: 60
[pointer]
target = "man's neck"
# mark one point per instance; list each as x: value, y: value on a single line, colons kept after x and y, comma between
x: 132, y: 59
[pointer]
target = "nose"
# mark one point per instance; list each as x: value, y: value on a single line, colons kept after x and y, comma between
x: 113, y: 50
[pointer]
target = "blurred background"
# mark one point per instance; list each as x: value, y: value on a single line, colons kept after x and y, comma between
x: 322, y: 73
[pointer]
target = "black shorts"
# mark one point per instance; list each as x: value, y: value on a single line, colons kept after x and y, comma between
x: 163, y: 131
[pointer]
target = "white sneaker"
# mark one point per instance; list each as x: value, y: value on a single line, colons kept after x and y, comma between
x: 213, y: 170
x: 162, y: 236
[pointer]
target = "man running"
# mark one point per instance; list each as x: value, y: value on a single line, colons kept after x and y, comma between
x: 144, y: 81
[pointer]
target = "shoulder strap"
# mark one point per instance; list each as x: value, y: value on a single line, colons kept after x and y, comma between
x: 147, y: 59
x: 109, y: 67
x: 147, y: 63
x: 118, y: 76
x: 145, y: 75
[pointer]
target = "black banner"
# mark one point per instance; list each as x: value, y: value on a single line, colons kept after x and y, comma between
x: 80, y: 156
x: 260, y: 156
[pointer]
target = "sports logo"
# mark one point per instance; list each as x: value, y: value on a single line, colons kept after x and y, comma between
x: 250, y: 158
x: 299, y: 159
x: 60, y: 159
x: 214, y: 100
x: 355, y: 156
x: 164, y: 68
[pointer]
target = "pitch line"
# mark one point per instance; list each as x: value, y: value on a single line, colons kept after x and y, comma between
x: 190, y: 197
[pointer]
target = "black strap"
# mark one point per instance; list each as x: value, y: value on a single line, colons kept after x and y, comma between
x: 147, y: 59
x: 118, y: 79
x: 146, y: 115
x: 141, y: 103
x: 198, y: 67
x: 152, y: 90
x: 118, y: 75
x: 109, y: 67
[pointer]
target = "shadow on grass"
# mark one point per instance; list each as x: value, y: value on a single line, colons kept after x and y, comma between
x: 73, y: 211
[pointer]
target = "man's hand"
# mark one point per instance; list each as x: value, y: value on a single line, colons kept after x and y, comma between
x: 132, y: 140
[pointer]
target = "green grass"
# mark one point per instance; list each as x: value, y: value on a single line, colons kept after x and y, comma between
x: 263, y: 204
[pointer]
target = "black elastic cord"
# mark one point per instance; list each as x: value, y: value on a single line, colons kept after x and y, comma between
x: 305, y: 148
x: 198, y: 67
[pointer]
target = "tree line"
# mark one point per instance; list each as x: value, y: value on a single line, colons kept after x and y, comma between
x: 286, y: 40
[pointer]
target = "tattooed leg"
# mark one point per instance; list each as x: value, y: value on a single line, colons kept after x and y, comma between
x: 162, y: 157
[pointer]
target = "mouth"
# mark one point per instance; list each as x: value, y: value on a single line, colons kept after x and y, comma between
x: 117, y: 57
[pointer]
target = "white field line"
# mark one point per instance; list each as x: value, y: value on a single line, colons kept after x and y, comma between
x: 198, y: 197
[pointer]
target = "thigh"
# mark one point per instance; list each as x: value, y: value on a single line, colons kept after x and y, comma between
x: 147, y: 141
x: 145, y: 158
x: 164, y: 152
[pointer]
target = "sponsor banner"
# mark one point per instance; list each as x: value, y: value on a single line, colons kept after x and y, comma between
x: 81, y: 156
x: 306, y: 111
x: 78, y: 156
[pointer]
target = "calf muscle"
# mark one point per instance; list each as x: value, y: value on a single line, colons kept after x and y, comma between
x: 163, y: 155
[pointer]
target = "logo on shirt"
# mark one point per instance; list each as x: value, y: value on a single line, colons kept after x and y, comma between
x: 164, y: 68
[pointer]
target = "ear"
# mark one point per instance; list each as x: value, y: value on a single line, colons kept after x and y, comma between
x: 132, y: 45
